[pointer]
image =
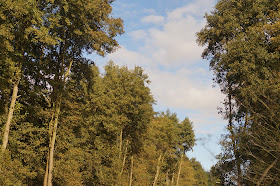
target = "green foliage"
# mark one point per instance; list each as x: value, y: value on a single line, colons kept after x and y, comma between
x: 241, y: 39
x: 199, y: 174
x: 11, y: 170
x: 186, y: 135
x: 102, y: 120
x: 188, y: 174
x: 165, y: 136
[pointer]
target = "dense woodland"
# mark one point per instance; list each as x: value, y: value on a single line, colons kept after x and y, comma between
x: 63, y: 122
x: 241, y: 40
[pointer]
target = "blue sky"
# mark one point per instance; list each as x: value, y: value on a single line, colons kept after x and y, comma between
x: 160, y: 37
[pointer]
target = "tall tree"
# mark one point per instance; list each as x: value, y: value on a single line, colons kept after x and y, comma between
x: 21, y: 26
x: 242, y: 47
x: 164, y: 138
x: 199, y: 174
x: 126, y: 112
x: 80, y: 26
x: 186, y: 141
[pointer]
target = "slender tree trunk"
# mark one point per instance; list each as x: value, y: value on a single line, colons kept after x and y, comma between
x: 50, y: 166
x: 158, y: 169
x: 172, y: 179
x: 167, y: 178
x: 124, y: 158
x: 10, y: 116
x: 120, y: 150
x: 53, y: 129
x: 48, y: 156
x: 266, y: 171
x: 47, y: 171
x: 131, y: 171
x: 179, y: 170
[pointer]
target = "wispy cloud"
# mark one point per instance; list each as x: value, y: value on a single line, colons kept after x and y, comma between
x: 171, y: 58
x: 153, y: 19
x: 174, y: 46
x: 138, y: 35
x: 164, y: 44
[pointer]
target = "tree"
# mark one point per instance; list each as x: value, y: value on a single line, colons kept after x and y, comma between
x: 199, y: 174
x: 164, y: 138
x: 186, y: 141
x: 187, y: 173
x: 168, y: 141
x: 126, y: 113
x: 94, y: 110
x: 241, y: 43
x: 79, y: 26
x: 21, y: 26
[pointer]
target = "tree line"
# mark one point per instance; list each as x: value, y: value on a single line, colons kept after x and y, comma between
x: 65, y: 123
x: 241, y: 40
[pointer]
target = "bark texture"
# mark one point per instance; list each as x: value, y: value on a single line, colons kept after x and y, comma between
x: 10, y: 116
x: 131, y: 171
x: 158, y: 169
x: 179, y: 170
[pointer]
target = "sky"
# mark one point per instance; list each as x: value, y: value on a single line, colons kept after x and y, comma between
x: 160, y: 36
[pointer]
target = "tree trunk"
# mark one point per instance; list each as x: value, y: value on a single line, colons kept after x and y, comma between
x: 50, y: 166
x: 48, y: 156
x: 167, y: 178
x: 158, y: 169
x: 53, y: 129
x: 120, y: 150
x: 47, y: 171
x: 124, y: 158
x: 179, y: 170
x: 172, y: 180
x: 131, y: 171
x: 10, y: 116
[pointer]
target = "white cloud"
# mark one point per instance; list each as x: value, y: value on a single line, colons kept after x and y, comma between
x: 129, y: 58
x: 207, y: 123
x: 138, y: 35
x: 176, y: 43
x: 153, y: 19
x: 181, y: 91
x: 171, y: 58
x: 196, y: 9
x: 184, y: 83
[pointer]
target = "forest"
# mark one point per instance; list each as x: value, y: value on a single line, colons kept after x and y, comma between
x: 65, y: 121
